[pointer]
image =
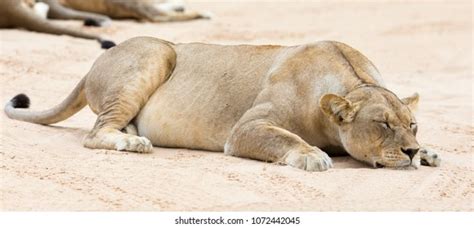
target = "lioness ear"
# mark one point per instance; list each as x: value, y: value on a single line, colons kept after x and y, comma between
x: 339, y: 109
x: 412, y: 101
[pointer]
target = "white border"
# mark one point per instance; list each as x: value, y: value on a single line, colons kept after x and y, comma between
x: 167, y: 219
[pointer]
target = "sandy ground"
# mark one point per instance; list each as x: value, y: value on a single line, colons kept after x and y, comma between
x: 417, y: 46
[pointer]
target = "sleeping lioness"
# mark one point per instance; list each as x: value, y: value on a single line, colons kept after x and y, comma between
x: 288, y: 105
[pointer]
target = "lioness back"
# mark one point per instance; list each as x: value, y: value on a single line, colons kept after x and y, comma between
x: 209, y: 90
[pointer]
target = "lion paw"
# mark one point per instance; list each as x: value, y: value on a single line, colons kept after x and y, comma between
x: 310, y: 161
x: 429, y: 158
x: 134, y: 144
x: 206, y: 15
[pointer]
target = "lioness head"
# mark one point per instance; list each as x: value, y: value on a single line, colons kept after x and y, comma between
x: 375, y: 126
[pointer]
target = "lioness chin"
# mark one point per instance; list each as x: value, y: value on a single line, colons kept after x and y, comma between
x: 271, y: 103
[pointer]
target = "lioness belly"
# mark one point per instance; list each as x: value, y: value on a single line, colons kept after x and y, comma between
x: 209, y: 90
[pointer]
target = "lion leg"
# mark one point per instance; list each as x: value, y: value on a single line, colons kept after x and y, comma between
x: 156, y: 14
x: 261, y: 140
x: 119, y: 109
x: 119, y: 85
x: 429, y: 158
x: 58, y: 11
x: 179, y: 16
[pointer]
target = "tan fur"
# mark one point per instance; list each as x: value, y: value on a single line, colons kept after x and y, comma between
x: 148, y: 10
x: 19, y: 14
x: 59, y: 11
x: 271, y: 103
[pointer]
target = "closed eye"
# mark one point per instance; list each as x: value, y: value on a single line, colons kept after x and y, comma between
x: 414, y: 127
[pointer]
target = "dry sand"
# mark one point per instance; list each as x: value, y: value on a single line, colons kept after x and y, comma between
x: 417, y: 46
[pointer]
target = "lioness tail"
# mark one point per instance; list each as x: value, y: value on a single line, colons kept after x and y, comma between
x: 17, y: 107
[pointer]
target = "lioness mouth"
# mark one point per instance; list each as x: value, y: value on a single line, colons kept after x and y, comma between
x: 378, y: 165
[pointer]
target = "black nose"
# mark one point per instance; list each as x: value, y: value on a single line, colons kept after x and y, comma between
x: 411, y: 152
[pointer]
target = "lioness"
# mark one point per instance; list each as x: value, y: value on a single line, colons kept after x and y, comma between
x: 20, y: 14
x: 149, y: 10
x: 270, y: 103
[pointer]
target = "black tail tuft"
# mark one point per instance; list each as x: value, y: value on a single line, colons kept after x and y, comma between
x: 20, y: 101
x: 92, y: 22
x: 106, y: 44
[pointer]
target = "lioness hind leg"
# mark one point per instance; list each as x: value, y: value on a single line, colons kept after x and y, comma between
x: 180, y: 16
x: 58, y: 11
x: 119, y: 85
x: 156, y: 14
x: 118, y: 111
x: 116, y: 116
x: 429, y: 158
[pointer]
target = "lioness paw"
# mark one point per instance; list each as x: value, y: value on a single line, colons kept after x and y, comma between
x: 206, y: 15
x: 134, y: 144
x: 309, y: 161
x: 429, y: 158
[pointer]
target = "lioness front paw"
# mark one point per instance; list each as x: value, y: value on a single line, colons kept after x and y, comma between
x: 429, y: 158
x: 309, y: 161
x: 134, y: 144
